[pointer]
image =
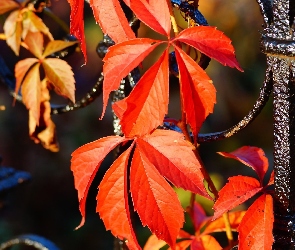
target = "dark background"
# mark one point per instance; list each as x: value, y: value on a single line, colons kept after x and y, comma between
x: 48, y: 204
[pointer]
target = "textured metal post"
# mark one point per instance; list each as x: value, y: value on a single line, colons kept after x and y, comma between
x: 279, y: 46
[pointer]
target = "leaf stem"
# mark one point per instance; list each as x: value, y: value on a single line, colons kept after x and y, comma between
x: 172, y: 18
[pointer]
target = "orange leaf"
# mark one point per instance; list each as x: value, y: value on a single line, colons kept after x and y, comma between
x: 164, y: 214
x: 31, y: 91
x: 120, y: 60
x: 205, y: 242
x: 34, y: 40
x: 153, y: 243
x: 7, y: 5
x: 85, y: 163
x: 112, y: 201
x: 236, y: 191
x: 55, y: 46
x: 182, y: 245
x: 255, y: 230
x: 31, y: 22
x: 60, y: 74
x: 154, y: 13
x: 77, y: 23
x: 272, y: 178
x: 198, y: 92
x: 252, y: 157
x: 44, y: 132
x: 21, y: 69
x: 218, y: 225
x: 112, y: 20
x: 212, y: 43
x: 149, y: 98
x: 13, y: 31
x: 173, y: 156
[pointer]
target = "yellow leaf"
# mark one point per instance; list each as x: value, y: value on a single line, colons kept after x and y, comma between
x: 60, y: 75
x: 56, y: 45
x: 34, y: 40
x: 13, y: 30
x: 31, y: 91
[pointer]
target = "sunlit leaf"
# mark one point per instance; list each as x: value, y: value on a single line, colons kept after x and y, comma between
x: 55, y: 46
x: 34, y: 40
x: 7, y: 5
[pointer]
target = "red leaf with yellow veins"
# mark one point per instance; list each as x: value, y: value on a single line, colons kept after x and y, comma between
x: 255, y: 230
x: 61, y: 76
x: 77, y: 23
x: 154, y: 13
x: 153, y: 102
x: 252, y: 157
x: 85, y: 163
x: 112, y: 20
x: 211, y: 42
x: 235, y: 192
x: 120, y: 60
x: 198, y: 92
x: 7, y: 5
x: 154, y: 199
x: 112, y: 201
x: 21, y: 69
x: 173, y: 156
x: 31, y: 91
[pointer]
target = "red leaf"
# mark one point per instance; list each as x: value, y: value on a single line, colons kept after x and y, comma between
x: 212, y: 43
x: 120, y: 60
x: 31, y: 91
x: 236, y: 191
x: 154, y: 13
x: 112, y: 201
x: 148, y: 99
x: 77, y: 23
x: 173, y: 156
x: 198, y: 92
x: 255, y: 230
x: 112, y: 20
x: 272, y: 178
x: 21, y: 69
x: 205, y: 242
x: 85, y: 163
x: 199, y: 215
x: 252, y: 157
x: 218, y: 225
x: 154, y: 199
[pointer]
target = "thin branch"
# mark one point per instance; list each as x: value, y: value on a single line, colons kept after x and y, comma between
x: 264, y: 94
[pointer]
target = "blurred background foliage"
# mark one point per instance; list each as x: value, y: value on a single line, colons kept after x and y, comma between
x: 48, y: 205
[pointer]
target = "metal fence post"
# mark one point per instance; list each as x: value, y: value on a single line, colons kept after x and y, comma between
x: 279, y: 45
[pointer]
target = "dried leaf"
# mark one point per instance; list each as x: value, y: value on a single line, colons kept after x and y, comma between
x: 60, y: 75
x: 31, y: 92
x: 34, y: 41
x: 55, y: 46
